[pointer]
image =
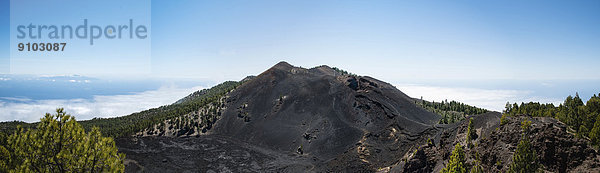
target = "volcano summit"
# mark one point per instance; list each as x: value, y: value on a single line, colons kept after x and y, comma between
x: 322, y: 119
x: 318, y: 119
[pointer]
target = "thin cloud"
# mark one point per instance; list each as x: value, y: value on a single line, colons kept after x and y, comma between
x: 99, y: 106
x: 492, y: 99
x: 119, y: 105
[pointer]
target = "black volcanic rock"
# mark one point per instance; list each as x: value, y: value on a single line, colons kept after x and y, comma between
x: 292, y: 119
x: 556, y: 149
x: 331, y: 117
x: 296, y: 120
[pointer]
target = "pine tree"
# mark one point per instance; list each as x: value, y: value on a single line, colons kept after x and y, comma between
x: 477, y: 168
x: 595, y: 132
x: 507, y: 108
x: 524, y: 159
x: 471, y: 133
x: 59, y: 144
x: 503, y: 119
x: 4, y: 153
x: 579, y: 117
x: 456, y: 162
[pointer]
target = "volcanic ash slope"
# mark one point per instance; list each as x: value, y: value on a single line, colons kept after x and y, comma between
x: 339, y: 121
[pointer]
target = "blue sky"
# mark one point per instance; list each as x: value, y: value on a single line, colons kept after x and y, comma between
x: 110, y: 57
x: 4, y: 36
x: 483, y: 53
x: 390, y: 40
x: 387, y: 39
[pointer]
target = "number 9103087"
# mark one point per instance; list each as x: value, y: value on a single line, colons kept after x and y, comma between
x: 42, y: 46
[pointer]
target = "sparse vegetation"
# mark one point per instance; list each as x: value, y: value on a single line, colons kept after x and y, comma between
x: 503, y: 119
x: 477, y: 168
x: 524, y: 159
x: 136, y: 122
x: 578, y: 116
x: 457, y: 161
x: 343, y: 72
x: 452, y: 111
x: 525, y: 125
x: 471, y: 133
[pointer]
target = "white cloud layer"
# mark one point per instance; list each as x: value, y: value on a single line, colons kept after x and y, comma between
x: 99, y: 106
x: 119, y: 105
x: 484, y: 98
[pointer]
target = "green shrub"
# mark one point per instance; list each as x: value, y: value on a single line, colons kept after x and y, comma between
x: 471, y: 132
x: 456, y: 162
x: 524, y: 159
x: 60, y: 144
x: 503, y: 119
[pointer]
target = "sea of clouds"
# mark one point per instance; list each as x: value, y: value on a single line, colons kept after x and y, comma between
x: 99, y: 106
x: 491, y: 99
x: 119, y: 105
